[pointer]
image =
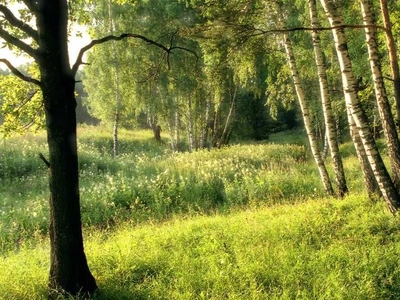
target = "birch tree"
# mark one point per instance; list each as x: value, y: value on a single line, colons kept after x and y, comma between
x: 384, y: 109
x: 304, y: 106
x: 329, y: 119
x: 394, y: 62
x: 354, y: 108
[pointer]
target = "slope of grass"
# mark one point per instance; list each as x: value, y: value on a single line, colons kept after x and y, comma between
x: 315, y: 250
x: 147, y: 181
x: 243, y: 222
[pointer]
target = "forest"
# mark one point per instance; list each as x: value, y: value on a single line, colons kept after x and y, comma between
x: 200, y: 149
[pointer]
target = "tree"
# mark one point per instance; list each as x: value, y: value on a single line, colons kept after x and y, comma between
x: 384, y: 109
x: 355, y: 110
x: 394, y: 62
x: 69, y: 271
x: 330, y: 127
x: 304, y: 108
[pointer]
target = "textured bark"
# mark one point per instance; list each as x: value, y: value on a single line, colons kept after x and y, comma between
x: 353, y: 104
x: 204, y: 135
x: 385, y: 113
x: 371, y: 185
x: 306, y: 117
x: 329, y: 119
x: 117, y: 88
x: 190, y: 125
x: 394, y: 62
x: 69, y: 272
x: 223, y: 140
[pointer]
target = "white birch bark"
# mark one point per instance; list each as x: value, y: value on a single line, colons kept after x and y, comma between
x: 117, y: 88
x: 385, y: 113
x: 305, y: 113
x: 394, y: 62
x: 329, y: 119
x: 190, y: 125
x: 353, y: 104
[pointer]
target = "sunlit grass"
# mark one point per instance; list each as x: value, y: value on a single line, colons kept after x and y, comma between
x: 315, y: 250
x: 243, y: 222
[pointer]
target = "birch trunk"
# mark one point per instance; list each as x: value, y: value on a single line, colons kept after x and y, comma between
x: 224, y: 136
x: 385, y: 113
x: 371, y: 185
x: 329, y: 119
x: 190, y: 125
x: 117, y: 90
x: 394, y: 62
x: 306, y: 116
x: 353, y: 104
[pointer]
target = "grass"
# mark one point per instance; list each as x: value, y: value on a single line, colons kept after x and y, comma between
x: 243, y: 222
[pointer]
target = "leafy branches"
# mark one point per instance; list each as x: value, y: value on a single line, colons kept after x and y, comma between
x: 105, y: 39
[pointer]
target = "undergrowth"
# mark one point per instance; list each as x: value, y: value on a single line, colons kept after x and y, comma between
x: 242, y: 222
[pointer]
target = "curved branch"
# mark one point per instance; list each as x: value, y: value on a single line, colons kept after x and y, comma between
x: 31, y: 5
x: 105, y: 39
x: 17, y: 73
x: 262, y: 32
x: 14, y: 21
x: 19, y: 44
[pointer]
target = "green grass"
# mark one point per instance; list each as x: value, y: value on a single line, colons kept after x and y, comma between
x: 243, y: 222
x: 315, y: 250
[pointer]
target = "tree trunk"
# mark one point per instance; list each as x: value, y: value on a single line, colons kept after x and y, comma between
x: 69, y: 272
x: 371, y: 185
x: 353, y: 104
x: 306, y: 116
x: 205, y: 129
x: 117, y: 90
x: 394, y: 62
x: 385, y: 113
x: 223, y: 140
x: 330, y: 128
x: 177, y: 128
x: 190, y: 125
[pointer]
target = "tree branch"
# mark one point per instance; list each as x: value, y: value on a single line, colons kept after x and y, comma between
x: 19, y: 44
x: 17, y: 73
x: 262, y: 32
x: 31, y: 5
x: 93, y: 43
x: 46, y: 162
x: 14, y: 21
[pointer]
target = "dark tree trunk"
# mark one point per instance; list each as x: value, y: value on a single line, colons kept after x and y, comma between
x: 69, y: 272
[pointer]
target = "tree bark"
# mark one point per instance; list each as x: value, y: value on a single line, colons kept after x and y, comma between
x: 69, y: 272
x: 306, y: 116
x: 394, y: 62
x: 223, y: 140
x: 353, y: 105
x: 190, y: 125
x: 117, y: 88
x: 385, y: 113
x: 329, y: 119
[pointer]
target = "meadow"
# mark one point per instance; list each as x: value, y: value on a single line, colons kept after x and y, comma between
x: 248, y: 221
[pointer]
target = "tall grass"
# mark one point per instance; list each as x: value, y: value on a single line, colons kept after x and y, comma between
x: 147, y: 181
x: 314, y: 250
x: 242, y: 222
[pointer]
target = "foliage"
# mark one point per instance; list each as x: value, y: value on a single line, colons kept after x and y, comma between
x: 21, y: 104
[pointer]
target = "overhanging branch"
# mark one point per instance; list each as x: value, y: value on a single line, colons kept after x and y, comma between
x: 17, y: 73
x: 14, y: 21
x: 18, y: 43
x: 31, y: 5
x: 262, y: 32
x: 105, y: 39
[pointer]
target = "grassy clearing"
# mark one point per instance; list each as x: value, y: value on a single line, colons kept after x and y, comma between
x: 315, y: 250
x: 243, y: 222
